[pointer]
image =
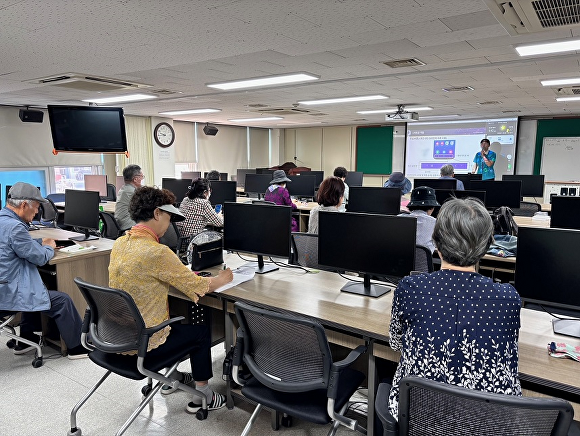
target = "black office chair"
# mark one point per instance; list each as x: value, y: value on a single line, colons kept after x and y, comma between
x: 527, y: 209
x: 427, y: 407
x: 6, y: 317
x: 263, y: 202
x: 111, y: 192
x: 111, y: 229
x: 114, y: 325
x: 176, y: 242
x: 423, y: 259
x: 305, y: 250
x: 49, y: 215
x: 56, y: 198
x: 291, y: 368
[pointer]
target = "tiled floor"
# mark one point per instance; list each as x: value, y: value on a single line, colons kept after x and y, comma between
x: 39, y: 401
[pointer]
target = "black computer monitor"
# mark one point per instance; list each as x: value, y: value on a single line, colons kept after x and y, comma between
x: 260, y: 229
x: 467, y: 179
x: 257, y: 183
x: 436, y: 183
x: 532, y: 185
x: 223, y: 176
x: 386, y: 201
x: 354, y: 178
x: 8, y: 190
x: 499, y: 193
x: 81, y: 210
x: 565, y: 212
x: 190, y: 175
x: 369, y: 244
x: 179, y: 187
x: 547, y: 271
x: 318, y: 174
x: 222, y: 192
x: 241, y: 176
x: 301, y: 186
x: 443, y: 195
x: 264, y: 171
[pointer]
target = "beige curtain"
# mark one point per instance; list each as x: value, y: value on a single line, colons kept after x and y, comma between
x: 139, y: 140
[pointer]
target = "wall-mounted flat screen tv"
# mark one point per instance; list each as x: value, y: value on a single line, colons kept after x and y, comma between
x: 88, y: 129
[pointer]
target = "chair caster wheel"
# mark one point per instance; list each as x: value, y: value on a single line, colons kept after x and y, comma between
x: 37, y: 362
x: 76, y: 432
x: 201, y: 414
x: 286, y: 421
x: 145, y: 390
x: 11, y: 343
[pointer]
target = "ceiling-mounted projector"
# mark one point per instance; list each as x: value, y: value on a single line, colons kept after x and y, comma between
x: 402, y: 116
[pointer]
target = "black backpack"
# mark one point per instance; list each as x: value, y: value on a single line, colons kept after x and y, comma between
x: 503, y: 222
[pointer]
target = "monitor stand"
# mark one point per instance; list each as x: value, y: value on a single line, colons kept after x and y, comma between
x: 261, y: 268
x: 366, y: 288
x: 86, y: 237
x: 567, y: 327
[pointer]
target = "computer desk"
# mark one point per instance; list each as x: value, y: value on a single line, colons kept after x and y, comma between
x: 108, y: 206
x: 91, y: 265
x: 351, y: 320
x: 304, y: 208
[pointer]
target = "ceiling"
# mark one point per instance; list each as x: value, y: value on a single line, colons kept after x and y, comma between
x: 179, y: 46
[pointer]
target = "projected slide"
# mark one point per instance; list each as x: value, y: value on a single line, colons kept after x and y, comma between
x: 430, y: 145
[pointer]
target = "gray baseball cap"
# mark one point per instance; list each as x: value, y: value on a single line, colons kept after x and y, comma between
x: 25, y: 191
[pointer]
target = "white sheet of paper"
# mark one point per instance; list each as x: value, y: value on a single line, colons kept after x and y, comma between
x: 241, y: 275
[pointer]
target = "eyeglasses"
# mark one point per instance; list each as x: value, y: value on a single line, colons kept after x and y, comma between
x: 140, y: 176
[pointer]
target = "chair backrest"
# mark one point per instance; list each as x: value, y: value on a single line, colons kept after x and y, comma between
x: 49, y: 215
x: 527, y: 209
x: 56, y: 198
x: 305, y: 249
x: 174, y: 240
x: 111, y: 229
x: 284, y: 352
x: 116, y: 324
x: 111, y: 192
x: 427, y: 407
x: 423, y: 259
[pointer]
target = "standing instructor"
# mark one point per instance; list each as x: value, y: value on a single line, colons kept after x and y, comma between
x: 484, y: 161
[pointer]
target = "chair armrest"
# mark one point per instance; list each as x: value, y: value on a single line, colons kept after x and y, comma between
x: 390, y: 424
x: 237, y: 358
x: 349, y: 360
x: 85, y: 330
x: 147, y: 333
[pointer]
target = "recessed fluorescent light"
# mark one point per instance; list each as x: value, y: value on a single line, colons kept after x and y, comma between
x: 121, y: 98
x: 248, y: 120
x: 392, y: 111
x: 344, y: 99
x: 434, y: 117
x: 568, y: 98
x: 264, y: 81
x: 191, y: 111
x: 550, y: 47
x: 557, y: 82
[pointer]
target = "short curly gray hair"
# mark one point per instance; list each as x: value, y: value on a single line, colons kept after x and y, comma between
x: 463, y: 231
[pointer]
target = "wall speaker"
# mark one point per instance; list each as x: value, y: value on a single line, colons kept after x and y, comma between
x: 210, y: 130
x: 29, y: 116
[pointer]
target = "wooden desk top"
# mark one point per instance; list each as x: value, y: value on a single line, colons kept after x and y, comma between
x: 103, y: 245
x: 302, y: 206
x: 526, y: 221
x: 109, y: 206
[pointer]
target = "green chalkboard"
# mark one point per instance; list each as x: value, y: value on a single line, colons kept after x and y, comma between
x: 374, y: 149
x: 569, y: 127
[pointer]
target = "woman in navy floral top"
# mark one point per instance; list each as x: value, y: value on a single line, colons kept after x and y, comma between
x: 455, y: 325
x: 278, y: 194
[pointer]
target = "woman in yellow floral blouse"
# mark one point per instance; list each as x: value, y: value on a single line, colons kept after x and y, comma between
x: 146, y: 269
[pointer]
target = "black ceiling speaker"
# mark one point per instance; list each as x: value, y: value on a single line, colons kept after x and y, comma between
x: 30, y: 116
x: 210, y: 130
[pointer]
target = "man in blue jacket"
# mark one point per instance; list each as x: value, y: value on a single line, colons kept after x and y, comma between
x: 21, y: 287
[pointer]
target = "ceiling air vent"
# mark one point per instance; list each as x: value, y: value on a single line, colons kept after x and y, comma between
x: 528, y: 16
x: 571, y: 90
x: 284, y: 111
x: 483, y: 103
x: 164, y: 91
x: 85, y: 82
x: 401, y: 63
x: 458, y: 88
x: 257, y: 105
x: 513, y: 111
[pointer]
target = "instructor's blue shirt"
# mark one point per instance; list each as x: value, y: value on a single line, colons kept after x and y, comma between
x: 487, y: 173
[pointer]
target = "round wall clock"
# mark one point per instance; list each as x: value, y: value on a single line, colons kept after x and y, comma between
x: 164, y: 134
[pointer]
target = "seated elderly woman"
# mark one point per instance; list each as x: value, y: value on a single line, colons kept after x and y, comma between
x: 197, y: 209
x: 146, y: 269
x: 330, y: 197
x: 455, y: 325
